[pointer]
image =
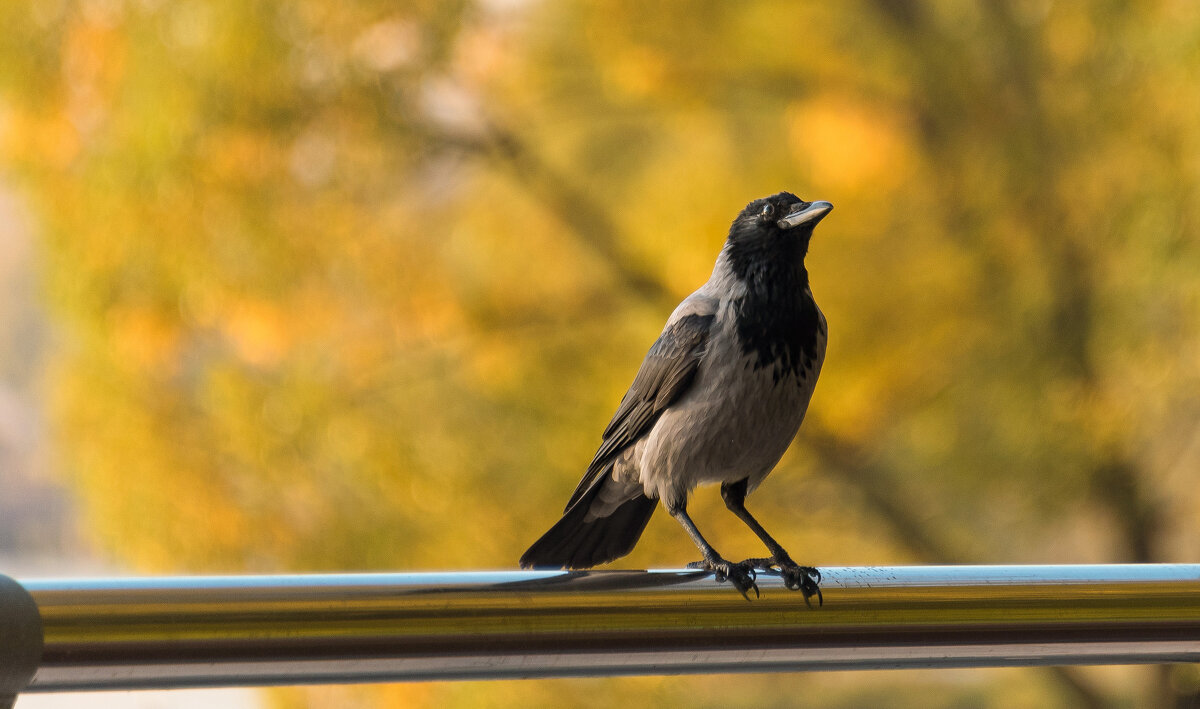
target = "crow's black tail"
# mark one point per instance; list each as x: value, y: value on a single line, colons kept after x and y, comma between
x: 574, y: 543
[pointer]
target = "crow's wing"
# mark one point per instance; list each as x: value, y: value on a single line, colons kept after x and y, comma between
x: 665, y: 375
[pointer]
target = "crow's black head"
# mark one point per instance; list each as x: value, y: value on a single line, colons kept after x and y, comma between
x: 782, y: 220
x: 773, y: 233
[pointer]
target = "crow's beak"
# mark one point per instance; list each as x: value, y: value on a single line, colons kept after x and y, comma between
x: 810, y: 214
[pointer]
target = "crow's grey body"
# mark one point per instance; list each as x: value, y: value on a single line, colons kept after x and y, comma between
x: 735, y: 421
x: 718, y: 399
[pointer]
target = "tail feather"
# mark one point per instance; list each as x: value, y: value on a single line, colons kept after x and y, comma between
x: 575, y: 542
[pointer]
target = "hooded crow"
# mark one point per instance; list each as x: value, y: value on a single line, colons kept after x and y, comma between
x: 718, y: 399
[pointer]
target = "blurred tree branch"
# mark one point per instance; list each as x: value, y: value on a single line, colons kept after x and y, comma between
x: 585, y: 217
x: 1116, y: 479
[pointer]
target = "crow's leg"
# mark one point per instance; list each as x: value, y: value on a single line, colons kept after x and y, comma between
x: 796, y: 577
x: 741, y: 575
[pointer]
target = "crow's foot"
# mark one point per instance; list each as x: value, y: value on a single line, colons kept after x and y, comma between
x: 741, y: 575
x: 804, y: 579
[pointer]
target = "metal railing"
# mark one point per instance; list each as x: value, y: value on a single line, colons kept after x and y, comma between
x: 130, y: 633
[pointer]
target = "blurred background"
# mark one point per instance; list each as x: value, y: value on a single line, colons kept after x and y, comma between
x: 311, y: 286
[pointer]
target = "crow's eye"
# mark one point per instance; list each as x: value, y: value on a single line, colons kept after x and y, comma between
x: 767, y: 213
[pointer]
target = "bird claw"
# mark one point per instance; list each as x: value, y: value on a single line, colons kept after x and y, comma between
x: 742, y: 575
x: 804, y: 579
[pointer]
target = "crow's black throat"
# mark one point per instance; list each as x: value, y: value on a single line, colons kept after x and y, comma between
x: 777, y: 321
